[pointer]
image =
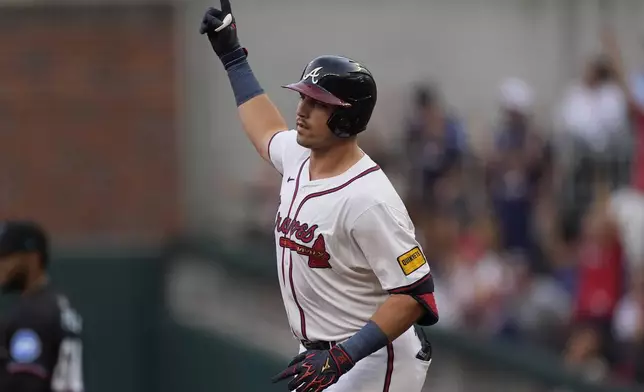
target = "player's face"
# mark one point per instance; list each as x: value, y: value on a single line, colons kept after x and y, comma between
x: 13, y: 273
x: 312, y: 129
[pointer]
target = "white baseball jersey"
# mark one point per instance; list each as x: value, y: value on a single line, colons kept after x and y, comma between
x: 343, y: 244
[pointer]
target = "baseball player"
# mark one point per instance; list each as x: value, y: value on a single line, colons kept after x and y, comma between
x: 353, y: 278
x: 40, y: 338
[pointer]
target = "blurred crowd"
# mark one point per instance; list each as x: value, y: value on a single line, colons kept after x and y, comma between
x: 535, y: 229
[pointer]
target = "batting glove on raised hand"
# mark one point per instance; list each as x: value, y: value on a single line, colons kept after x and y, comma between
x: 221, y: 29
x: 316, y: 370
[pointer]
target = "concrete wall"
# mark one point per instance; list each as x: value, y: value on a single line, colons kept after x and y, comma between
x: 468, y: 46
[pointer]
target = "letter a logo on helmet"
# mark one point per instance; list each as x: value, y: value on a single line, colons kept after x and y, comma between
x: 344, y: 84
x: 314, y: 75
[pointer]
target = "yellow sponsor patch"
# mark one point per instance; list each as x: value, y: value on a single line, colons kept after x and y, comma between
x: 412, y: 260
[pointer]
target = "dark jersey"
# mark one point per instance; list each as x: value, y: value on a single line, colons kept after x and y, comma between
x: 40, y: 345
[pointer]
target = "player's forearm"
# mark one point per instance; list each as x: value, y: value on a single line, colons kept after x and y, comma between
x: 614, y: 53
x: 391, y: 320
x: 397, y: 315
x: 259, y: 116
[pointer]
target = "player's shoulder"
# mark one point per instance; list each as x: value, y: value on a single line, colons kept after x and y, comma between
x: 40, y: 304
x: 285, y: 152
x: 374, y: 184
x: 37, y: 323
x: 375, y: 189
x: 286, y: 139
x: 283, y: 138
x: 49, y: 308
x: 30, y: 318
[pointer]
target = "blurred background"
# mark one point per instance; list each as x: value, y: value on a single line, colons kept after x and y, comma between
x: 500, y: 122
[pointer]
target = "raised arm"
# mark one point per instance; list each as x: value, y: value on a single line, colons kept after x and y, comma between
x: 259, y: 116
x: 612, y: 49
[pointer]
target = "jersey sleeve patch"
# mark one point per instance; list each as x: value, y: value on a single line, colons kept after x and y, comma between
x: 412, y: 260
x: 25, y: 346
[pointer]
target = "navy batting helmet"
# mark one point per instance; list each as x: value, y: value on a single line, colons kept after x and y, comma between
x: 344, y: 83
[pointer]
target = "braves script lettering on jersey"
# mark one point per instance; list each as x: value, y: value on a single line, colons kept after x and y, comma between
x: 344, y: 244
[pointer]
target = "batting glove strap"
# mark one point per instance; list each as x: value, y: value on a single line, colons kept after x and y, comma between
x: 237, y: 56
x: 342, y: 360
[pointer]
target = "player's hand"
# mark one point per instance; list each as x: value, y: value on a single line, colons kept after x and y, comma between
x: 316, y: 370
x: 221, y: 29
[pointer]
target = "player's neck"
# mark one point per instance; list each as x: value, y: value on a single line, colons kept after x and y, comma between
x: 334, y: 161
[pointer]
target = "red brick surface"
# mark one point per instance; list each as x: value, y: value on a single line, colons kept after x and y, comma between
x: 88, y: 120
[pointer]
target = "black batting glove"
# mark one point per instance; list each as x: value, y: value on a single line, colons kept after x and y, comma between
x: 316, y: 370
x: 222, y: 34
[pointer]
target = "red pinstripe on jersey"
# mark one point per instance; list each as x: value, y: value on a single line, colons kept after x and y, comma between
x: 297, y: 211
x: 297, y: 186
x: 390, y: 367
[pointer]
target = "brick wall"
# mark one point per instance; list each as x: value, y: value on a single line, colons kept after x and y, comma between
x: 88, y: 138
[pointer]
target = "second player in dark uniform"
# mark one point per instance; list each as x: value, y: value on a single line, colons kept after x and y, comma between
x: 40, y: 337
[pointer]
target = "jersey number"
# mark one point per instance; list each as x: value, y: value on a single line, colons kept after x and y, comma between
x: 68, y: 375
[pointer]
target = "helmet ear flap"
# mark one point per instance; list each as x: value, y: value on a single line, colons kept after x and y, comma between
x: 340, y: 124
x: 343, y: 122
